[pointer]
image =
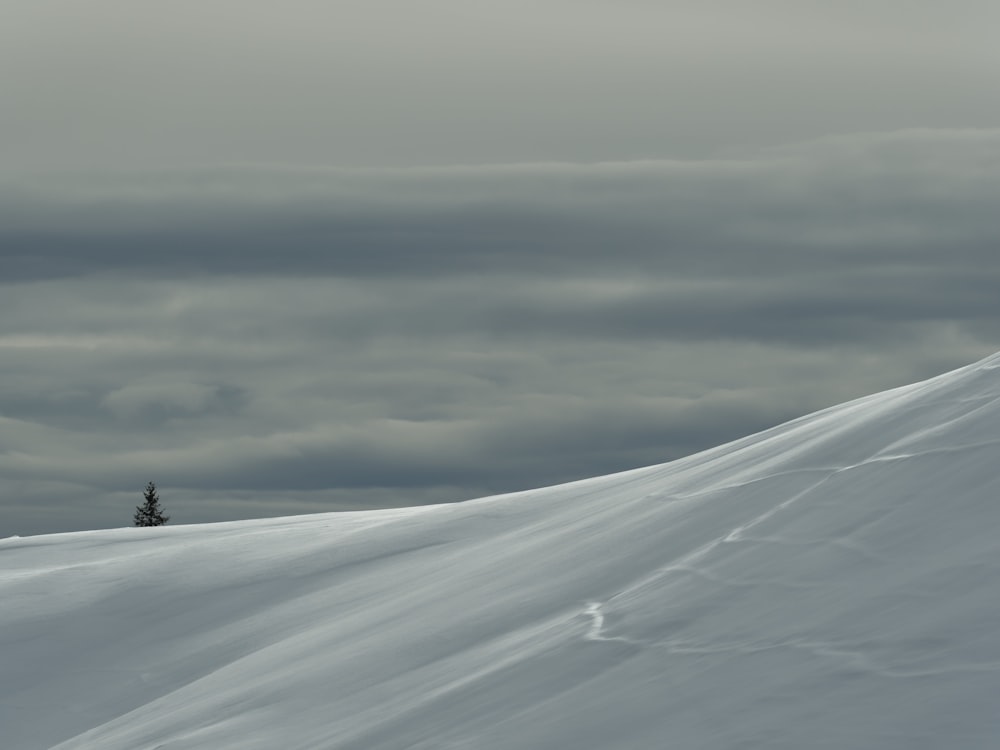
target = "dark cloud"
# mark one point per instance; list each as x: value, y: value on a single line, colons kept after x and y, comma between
x: 887, y: 202
x: 262, y: 342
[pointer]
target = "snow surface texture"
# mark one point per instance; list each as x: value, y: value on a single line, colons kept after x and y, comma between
x: 830, y: 583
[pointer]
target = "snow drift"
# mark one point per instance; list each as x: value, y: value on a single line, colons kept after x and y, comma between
x: 833, y: 582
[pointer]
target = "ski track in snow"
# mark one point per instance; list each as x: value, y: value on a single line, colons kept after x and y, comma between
x: 595, y: 634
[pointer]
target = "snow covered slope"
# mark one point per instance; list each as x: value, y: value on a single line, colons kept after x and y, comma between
x: 830, y: 583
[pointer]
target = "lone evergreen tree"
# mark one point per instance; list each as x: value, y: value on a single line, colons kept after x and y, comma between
x: 150, y: 513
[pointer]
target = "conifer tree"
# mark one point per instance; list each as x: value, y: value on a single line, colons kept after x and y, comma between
x: 150, y: 513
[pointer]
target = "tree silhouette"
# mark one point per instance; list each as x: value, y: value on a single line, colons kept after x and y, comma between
x: 150, y: 513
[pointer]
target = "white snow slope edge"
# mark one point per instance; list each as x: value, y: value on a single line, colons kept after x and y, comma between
x: 830, y: 583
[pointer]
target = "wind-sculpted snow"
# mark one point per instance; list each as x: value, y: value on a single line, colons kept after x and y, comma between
x: 830, y: 583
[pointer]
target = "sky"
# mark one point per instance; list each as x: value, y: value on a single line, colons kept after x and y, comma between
x: 298, y: 257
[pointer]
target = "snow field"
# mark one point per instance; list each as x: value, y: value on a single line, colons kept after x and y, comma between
x: 833, y: 582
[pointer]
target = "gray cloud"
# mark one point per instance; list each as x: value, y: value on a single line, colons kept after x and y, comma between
x: 890, y: 202
x: 625, y: 262
x: 262, y: 342
x: 122, y: 85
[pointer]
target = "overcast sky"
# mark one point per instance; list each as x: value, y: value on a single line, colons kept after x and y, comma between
x: 304, y: 256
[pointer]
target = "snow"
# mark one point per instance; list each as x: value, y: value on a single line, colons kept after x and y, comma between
x: 830, y: 583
